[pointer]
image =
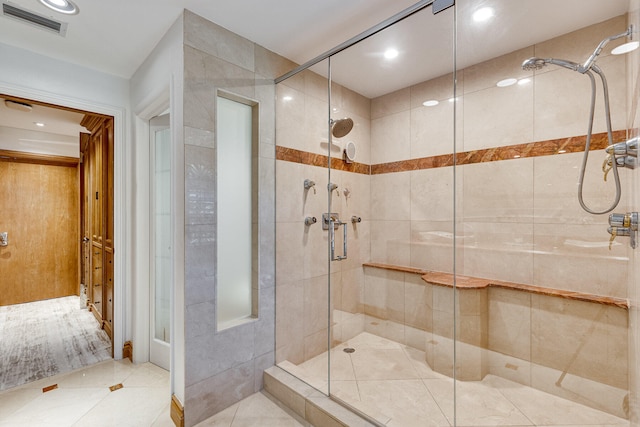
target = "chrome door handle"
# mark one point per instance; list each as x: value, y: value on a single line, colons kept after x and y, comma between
x: 4, y: 238
x: 331, y: 222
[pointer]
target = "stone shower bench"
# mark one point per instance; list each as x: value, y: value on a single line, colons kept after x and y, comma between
x: 564, y: 337
x: 465, y: 282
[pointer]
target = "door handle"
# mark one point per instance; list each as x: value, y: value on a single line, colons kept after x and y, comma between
x: 331, y: 221
x: 85, y: 240
x: 335, y: 257
x: 4, y: 238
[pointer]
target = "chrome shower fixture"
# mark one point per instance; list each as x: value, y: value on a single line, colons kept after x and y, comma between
x: 592, y: 59
x: 341, y: 127
x: 534, y: 63
x: 588, y: 68
x: 309, y: 184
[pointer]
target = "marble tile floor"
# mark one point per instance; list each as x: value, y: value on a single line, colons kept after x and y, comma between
x: 393, y: 384
x: 44, y: 338
x: 83, y: 398
x: 257, y: 410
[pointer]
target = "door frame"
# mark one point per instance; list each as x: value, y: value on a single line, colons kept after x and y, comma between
x: 122, y: 187
x: 159, y: 351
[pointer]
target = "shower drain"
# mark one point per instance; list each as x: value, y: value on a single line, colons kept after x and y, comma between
x: 349, y: 350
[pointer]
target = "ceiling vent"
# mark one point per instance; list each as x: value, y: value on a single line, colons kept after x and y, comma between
x: 13, y: 11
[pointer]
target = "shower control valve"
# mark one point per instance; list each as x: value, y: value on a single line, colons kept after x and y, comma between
x: 310, y: 220
x: 623, y: 225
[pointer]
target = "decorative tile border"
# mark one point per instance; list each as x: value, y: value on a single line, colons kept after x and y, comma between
x: 573, y: 144
x: 311, y: 159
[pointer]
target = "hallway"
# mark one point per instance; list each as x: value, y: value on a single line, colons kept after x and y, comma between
x: 44, y: 338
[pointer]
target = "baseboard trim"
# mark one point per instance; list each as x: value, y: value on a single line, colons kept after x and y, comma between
x: 177, y: 411
x: 127, y: 351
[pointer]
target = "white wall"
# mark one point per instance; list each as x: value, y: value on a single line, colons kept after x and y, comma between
x: 156, y: 86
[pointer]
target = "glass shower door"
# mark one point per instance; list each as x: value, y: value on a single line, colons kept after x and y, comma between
x: 392, y: 331
x: 541, y: 313
x: 302, y: 259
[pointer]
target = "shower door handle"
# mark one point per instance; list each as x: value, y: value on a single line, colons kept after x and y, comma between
x: 333, y: 224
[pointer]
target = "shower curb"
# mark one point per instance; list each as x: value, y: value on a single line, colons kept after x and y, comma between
x: 308, y: 403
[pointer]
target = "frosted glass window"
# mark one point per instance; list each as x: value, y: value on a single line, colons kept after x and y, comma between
x: 161, y: 276
x: 235, y: 240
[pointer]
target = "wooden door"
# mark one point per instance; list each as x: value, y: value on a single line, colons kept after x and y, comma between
x: 40, y: 214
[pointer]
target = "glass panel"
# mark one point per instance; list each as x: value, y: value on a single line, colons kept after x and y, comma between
x: 234, y: 153
x: 302, y: 270
x: 526, y: 354
x: 392, y: 333
x: 161, y: 213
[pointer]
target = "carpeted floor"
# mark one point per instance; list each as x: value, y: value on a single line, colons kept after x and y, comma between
x: 45, y: 338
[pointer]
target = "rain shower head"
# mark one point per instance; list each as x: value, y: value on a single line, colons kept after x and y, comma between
x: 341, y: 127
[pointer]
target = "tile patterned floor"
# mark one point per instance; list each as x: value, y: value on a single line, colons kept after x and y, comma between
x: 382, y: 378
x: 256, y: 410
x: 393, y: 384
x: 83, y: 399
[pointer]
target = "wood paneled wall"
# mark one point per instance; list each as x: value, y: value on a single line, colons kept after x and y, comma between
x: 39, y: 208
x: 97, y: 164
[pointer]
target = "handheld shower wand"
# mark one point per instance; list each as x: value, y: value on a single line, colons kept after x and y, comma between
x: 588, y: 68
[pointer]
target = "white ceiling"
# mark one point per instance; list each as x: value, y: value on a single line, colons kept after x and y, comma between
x: 115, y: 36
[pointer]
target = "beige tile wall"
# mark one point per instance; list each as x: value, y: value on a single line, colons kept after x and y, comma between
x: 519, y: 219
x: 302, y: 268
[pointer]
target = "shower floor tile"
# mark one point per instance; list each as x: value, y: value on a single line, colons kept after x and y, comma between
x: 393, y: 384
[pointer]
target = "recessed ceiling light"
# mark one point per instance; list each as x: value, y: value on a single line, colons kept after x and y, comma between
x: 507, y: 82
x: 39, y: 124
x: 483, y: 14
x: 63, y: 6
x: 287, y: 98
x: 430, y: 103
x: 625, y: 48
x: 390, y: 53
x: 523, y: 81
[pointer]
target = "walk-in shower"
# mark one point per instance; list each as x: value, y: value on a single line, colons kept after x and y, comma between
x: 476, y: 290
x: 535, y: 64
